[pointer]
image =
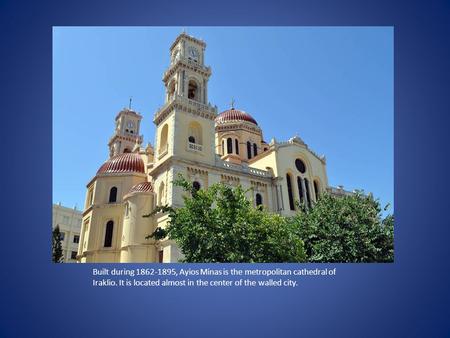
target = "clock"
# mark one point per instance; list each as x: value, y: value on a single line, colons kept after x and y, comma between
x: 193, y: 53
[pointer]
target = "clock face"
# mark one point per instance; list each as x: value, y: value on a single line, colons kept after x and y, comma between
x: 193, y: 53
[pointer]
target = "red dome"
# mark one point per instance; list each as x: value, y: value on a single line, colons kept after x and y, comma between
x: 234, y: 115
x: 123, y: 163
x: 141, y: 187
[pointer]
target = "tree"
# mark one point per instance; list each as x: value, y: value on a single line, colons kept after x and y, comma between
x: 346, y: 229
x: 57, y: 253
x: 219, y: 224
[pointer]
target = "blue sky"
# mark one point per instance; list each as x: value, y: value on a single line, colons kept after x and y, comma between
x: 333, y: 86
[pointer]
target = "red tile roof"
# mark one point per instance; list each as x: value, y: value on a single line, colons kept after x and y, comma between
x: 141, y: 187
x: 123, y: 163
x: 234, y: 115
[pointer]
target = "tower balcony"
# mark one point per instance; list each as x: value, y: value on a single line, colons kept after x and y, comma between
x: 195, y: 147
x: 187, y: 105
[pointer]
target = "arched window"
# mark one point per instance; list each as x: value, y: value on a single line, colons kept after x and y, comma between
x: 229, y: 145
x: 195, y: 131
x: 249, y: 150
x: 113, y: 195
x: 255, y: 149
x: 300, y: 189
x: 308, y: 195
x: 191, y: 139
x: 259, y: 200
x: 289, y: 188
x: 236, y: 146
x: 316, y: 189
x: 223, y: 147
x: 109, y: 234
x: 163, y: 138
x: 196, y: 185
x: 193, y: 90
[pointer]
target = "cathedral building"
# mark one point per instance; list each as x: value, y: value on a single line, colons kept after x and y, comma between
x: 205, y: 146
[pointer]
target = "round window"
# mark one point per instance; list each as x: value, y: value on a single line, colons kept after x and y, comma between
x: 300, y: 165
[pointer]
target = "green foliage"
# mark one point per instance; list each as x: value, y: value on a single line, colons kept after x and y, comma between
x: 57, y: 253
x: 346, y: 229
x: 219, y: 224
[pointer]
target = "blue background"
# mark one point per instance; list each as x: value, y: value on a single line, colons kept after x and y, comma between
x: 409, y: 298
x: 332, y: 86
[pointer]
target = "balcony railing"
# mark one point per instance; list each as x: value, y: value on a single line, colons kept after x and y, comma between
x: 195, y: 146
x: 243, y: 169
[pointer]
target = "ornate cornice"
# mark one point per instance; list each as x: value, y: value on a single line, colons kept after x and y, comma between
x: 186, y: 64
x: 189, y: 38
x: 186, y: 105
x: 129, y: 137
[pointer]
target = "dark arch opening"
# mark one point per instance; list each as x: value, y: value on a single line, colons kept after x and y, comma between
x: 113, y: 195
x: 259, y: 200
x: 193, y: 90
x: 291, y: 196
x: 229, y: 145
x: 300, y: 189
x: 308, y: 194
x: 236, y: 145
x: 255, y: 149
x: 191, y: 139
x: 249, y: 150
x: 109, y: 234
x: 196, y: 185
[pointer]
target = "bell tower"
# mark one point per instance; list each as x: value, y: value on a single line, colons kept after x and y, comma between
x: 185, y: 124
x: 126, y: 133
x: 187, y: 75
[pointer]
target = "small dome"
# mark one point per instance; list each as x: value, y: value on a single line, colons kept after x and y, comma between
x: 123, y: 163
x: 234, y: 115
x: 141, y: 187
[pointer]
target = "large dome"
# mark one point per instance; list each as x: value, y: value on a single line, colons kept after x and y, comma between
x: 123, y: 163
x: 234, y: 115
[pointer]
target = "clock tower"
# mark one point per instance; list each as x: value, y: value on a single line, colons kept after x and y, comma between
x: 187, y: 75
x: 126, y: 133
x: 185, y: 124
